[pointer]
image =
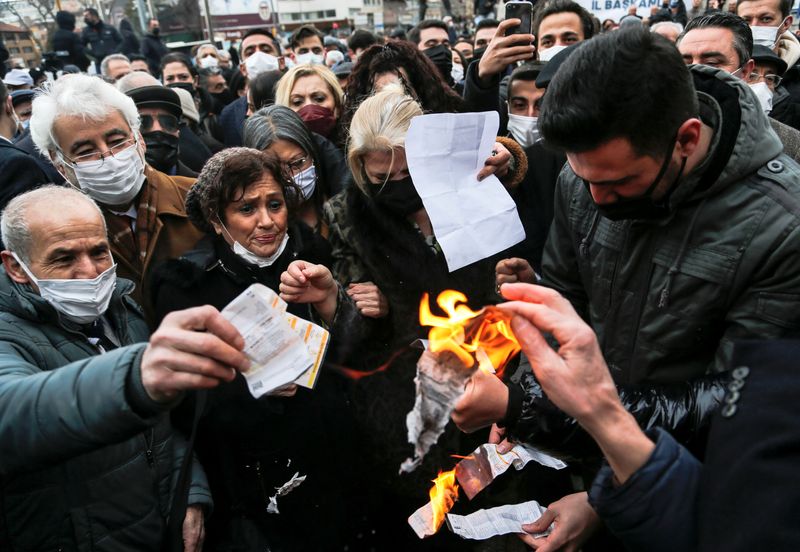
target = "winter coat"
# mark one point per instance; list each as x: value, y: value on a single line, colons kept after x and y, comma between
x: 153, y: 48
x: 87, y: 460
x: 101, y: 40
x: 66, y: 44
x: 19, y: 172
x: 668, y: 298
x: 333, y: 170
x: 675, y: 503
x: 231, y: 122
x: 249, y: 447
x: 173, y: 233
x: 130, y: 42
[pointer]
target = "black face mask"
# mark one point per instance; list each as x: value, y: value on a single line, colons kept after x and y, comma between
x: 477, y: 54
x: 188, y: 86
x: 398, y: 196
x: 223, y: 98
x: 643, y: 207
x: 442, y: 58
x: 162, y: 151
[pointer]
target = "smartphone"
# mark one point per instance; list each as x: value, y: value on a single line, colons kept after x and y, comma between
x: 523, y: 11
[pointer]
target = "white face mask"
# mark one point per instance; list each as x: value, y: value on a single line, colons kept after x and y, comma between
x: 457, y: 72
x: 80, y: 301
x: 333, y: 57
x: 766, y: 36
x: 309, y: 57
x: 525, y: 130
x: 306, y: 180
x: 260, y: 62
x: 208, y: 62
x: 764, y: 95
x: 115, y: 180
x: 253, y: 259
x: 547, y: 55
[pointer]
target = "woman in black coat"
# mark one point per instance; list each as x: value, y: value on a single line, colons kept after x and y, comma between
x: 250, y: 447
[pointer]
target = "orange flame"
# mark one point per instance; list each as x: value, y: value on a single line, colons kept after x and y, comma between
x: 484, y: 336
x: 444, y: 494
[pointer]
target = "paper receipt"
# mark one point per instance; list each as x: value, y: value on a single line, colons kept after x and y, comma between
x: 502, y: 520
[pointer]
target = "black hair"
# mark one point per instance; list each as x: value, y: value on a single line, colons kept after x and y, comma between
x: 3, y: 93
x: 91, y: 11
x: 525, y: 72
x: 262, y: 32
x: 136, y: 57
x: 561, y: 6
x: 262, y: 89
x: 304, y: 32
x: 596, y: 95
x: 177, y: 57
x: 65, y: 20
x: 784, y: 5
x: 361, y: 39
x: 487, y: 24
x: 413, y: 34
x: 742, y: 34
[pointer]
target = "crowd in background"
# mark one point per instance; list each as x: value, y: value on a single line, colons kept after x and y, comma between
x: 653, y: 165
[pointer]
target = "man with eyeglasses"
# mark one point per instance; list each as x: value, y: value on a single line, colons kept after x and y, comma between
x: 724, y: 40
x: 93, y: 135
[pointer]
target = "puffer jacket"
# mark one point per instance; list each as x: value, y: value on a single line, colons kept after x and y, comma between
x: 87, y: 460
x: 668, y: 298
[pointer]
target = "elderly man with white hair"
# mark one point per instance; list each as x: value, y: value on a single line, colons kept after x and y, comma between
x: 88, y: 458
x: 91, y: 132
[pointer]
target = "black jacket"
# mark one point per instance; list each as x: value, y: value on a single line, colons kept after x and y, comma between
x: 101, y: 40
x: 66, y: 44
x: 25, y: 142
x: 231, y: 121
x: 19, y: 172
x: 248, y: 446
x: 154, y: 49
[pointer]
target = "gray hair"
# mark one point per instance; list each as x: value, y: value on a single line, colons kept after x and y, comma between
x: 76, y: 96
x: 137, y: 79
x: 277, y: 122
x: 108, y: 59
x: 14, y: 225
x: 674, y: 24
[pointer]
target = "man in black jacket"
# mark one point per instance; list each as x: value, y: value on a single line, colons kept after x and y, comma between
x: 18, y: 170
x: 153, y: 47
x: 67, y: 44
x: 101, y: 39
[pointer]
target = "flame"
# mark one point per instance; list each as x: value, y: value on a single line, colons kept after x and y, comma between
x: 444, y: 494
x: 483, y: 337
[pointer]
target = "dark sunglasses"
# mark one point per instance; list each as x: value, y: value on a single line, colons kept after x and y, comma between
x: 168, y: 123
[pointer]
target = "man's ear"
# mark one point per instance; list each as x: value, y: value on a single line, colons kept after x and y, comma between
x: 13, y: 268
x: 787, y: 24
x: 689, y: 136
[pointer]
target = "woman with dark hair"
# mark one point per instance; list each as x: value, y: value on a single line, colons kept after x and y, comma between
x: 250, y: 447
x: 316, y: 166
x: 401, y: 62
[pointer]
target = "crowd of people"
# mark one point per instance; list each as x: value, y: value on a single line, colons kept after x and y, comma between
x: 653, y: 164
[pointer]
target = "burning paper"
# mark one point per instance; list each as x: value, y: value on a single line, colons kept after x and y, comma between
x: 479, y: 469
x: 283, y: 490
x: 427, y: 520
x: 460, y: 343
x: 502, y: 520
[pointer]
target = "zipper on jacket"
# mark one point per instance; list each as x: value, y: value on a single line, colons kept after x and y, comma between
x: 148, y: 452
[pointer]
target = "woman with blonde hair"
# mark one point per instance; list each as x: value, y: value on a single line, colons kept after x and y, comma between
x: 386, y: 257
x: 313, y: 92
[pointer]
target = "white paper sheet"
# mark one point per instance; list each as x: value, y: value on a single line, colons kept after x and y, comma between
x: 277, y: 353
x: 316, y: 339
x: 471, y: 220
x: 502, y: 520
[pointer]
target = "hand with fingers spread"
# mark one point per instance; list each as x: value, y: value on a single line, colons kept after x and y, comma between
x: 484, y: 402
x: 192, y: 349
x: 575, y: 521
x: 369, y: 299
x: 575, y: 377
x: 304, y: 282
x: 503, y: 51
x: 513, y: 270
x: 498, y: 163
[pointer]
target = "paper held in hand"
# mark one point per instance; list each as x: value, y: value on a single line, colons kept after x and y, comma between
x: 282, y: 348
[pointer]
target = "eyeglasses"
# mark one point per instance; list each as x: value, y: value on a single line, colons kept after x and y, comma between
x: 774, y: 80
x: 297, y: 165
x: 98, y: 156
x: 167, y: 122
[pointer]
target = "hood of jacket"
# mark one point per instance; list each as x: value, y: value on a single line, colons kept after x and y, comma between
x: 21, y: 301
x: 743, y: 139
x: 789, y: 48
